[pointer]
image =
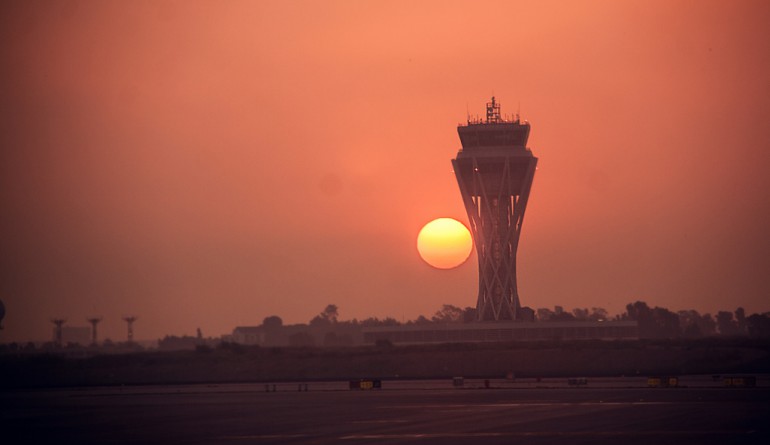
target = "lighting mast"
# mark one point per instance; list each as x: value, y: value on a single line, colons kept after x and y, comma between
x: 58, y: 322
x: 130, y: 322
x: 94, y: 321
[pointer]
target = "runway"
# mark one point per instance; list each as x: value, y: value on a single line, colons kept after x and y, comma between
x: 411, y: 412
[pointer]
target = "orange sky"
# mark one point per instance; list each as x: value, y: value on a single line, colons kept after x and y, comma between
x: 208, y: 164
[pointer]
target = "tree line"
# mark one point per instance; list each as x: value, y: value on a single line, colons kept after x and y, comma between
x: 654, y: 322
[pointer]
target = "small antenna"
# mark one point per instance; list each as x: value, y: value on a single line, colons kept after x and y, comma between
x: 467, y: 113
x: 493, y: 112
x: 518, y: 112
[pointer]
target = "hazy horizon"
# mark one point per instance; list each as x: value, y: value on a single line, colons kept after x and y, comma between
x: 206, y: 165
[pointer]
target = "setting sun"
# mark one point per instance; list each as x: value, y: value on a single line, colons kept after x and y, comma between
x: 444, y: 243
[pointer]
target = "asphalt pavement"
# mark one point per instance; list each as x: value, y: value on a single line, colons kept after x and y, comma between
x: 622, y: 411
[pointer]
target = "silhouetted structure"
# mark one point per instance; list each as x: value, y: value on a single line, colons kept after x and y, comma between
x: 75, y: 335
x: 494, y: 170
x: 503, y: 331
x: 58, y: 322
x: 94, y: 321
x: 130, y: 322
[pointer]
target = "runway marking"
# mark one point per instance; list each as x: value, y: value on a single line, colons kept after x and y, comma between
x: 538, y: 434
x: 420, y: 436
x: 268, y: 436
x: 380, y: 421
x: 504, y: 405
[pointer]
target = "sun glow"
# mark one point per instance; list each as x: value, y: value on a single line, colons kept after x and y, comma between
x: 444, y: 243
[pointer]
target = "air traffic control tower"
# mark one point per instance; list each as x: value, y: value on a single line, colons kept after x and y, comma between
x: 494, y: 170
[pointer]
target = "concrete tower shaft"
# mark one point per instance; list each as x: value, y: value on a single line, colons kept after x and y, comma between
x: 494, y: 170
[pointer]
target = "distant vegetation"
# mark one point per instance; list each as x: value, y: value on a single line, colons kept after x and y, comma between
x: 327, y: 329
x: 685, y: 342
x: 229, y: 362
x: 656, y: 322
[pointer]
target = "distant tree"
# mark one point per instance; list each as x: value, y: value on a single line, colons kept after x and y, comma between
x: 421, y: 320
x: 390, y: 321
x: 328, y: 316
x: 666, y: 323
x: 598, y: 314
x: 374, y: 321
x: 758, y: 325
x: 653, y: 323
x: 740, y: 319
x: 689, y: 323
x: 448, y: 314
x: 371, y: 321
x: 526, y: 313
x: 692, y: 331
x: 580, y: 314
x: 707, y: 325
x: 638, y: 311
x: 726, y: 324
x: 544, y: 314
x: 331, y: 313
x: 562, y: 316
x: 469, y: 314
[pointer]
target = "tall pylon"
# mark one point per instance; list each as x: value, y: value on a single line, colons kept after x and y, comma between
x: 130, y: 324
x: 94, y: 321
x: 57, y: 336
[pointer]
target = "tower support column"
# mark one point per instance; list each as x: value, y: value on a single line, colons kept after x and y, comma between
x: 494, y: 171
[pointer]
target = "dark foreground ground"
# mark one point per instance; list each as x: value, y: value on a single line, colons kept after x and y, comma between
x: 610, y: 411
x: 242, y: 364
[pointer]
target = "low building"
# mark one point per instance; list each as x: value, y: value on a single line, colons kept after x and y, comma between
x: 80, y: 335
x: 501, y: 331
x: 249, y: 335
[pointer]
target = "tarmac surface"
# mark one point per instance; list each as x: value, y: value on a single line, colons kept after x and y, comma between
x: 550, y: 411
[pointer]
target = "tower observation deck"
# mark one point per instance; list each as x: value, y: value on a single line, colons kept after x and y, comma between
x: 494, y: 170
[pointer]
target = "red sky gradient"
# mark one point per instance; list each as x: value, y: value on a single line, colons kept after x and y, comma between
x: 208, y: 164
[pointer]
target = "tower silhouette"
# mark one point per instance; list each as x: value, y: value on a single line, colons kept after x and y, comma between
x: 494, y: 170
x: 130, y: 324
x: 94, y: 321
x: 57, y: 335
